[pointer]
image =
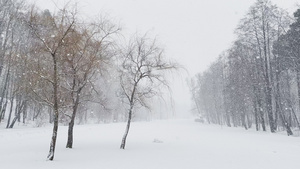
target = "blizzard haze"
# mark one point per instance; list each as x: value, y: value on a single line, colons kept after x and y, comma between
x: 192, y: 32
x: 54, y: 85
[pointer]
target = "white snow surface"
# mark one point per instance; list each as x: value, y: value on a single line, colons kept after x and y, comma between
x: 169, y: 144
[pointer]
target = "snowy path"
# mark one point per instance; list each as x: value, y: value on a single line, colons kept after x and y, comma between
x: 185, y: 145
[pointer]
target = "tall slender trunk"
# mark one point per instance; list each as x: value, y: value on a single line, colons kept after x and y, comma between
x: 268, y: 87
x: 277, y: 92
x: 24, y: 111
x: 259, y: 104
x: 254, y: 82
x: 56, y: 111
x: 298, y: 85
x: 255, y: 115
x: 4, y: 91
x: 261, y: 66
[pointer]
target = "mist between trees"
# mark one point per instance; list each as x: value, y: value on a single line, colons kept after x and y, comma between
x: 56, y: 68
x: 256, y: 82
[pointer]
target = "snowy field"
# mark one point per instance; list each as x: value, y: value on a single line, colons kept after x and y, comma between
x: 173, y: 144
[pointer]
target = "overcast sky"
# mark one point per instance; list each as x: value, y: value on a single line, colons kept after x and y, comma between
x: 193, y: 32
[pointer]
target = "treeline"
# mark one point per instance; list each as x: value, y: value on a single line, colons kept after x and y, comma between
x: 256, y: 82
x: 32, y: 41
x: 57, y: 68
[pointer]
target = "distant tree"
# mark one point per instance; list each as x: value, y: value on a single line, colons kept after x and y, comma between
x: 286, y: 50
x: 142, y: 71
x: 10, y: 46
x: 252, y: 81
x: 260, y: 28
x: 194, y: 89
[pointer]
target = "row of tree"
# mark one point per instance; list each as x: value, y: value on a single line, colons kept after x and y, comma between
x: 56, y: 66
x: 257, y: 80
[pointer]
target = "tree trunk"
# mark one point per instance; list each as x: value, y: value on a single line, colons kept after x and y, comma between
x: 4, y: 92
x: 256, y: 116
x: 54, y: 136
x: 298, y: 85
x: 277, y: 92
x: 10, y: 111
x: 56, y: 112
x: 286, y: 124
x: 127, y: 128
x: 268, y: 87
x: 51, y: 115
x: 70, y: 133
x: 18, y: 110
x: 227, y: 116
x: 296, y: 119
x: 243, y: 118
x: 261, y: 113
x: 249, y: 120
x: 71, y: 124
x: 24, y: 111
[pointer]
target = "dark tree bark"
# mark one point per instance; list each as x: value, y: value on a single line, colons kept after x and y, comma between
x: 256, y: 115
x: 123, y: 143
x: 60, y: 26
x: 20, y: 108
x: 268, y: 91
x: 131, y: 101
x: 71, y: 123
x: 55, y: 107
x: 261, y: 113
x: 285, y: 124
x: 3, y: 95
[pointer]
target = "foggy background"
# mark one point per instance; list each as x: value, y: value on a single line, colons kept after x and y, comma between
x: 192, y: 32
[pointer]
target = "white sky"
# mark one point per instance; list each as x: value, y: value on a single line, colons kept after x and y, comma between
x: 193, y: 32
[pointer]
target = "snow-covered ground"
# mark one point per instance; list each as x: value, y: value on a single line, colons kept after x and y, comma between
x: 172, y: 144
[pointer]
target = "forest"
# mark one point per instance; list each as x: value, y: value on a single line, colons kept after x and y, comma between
x: 59, y: 68
x: 256, y: 82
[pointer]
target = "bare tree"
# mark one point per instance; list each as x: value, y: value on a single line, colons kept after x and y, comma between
x: 51, y: 33
x: 259, y: 29
x: 83, y: 60
x: 10, y: 29
x: 141, y: 74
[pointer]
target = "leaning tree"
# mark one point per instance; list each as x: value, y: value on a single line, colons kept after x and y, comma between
x: 142, y: 73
